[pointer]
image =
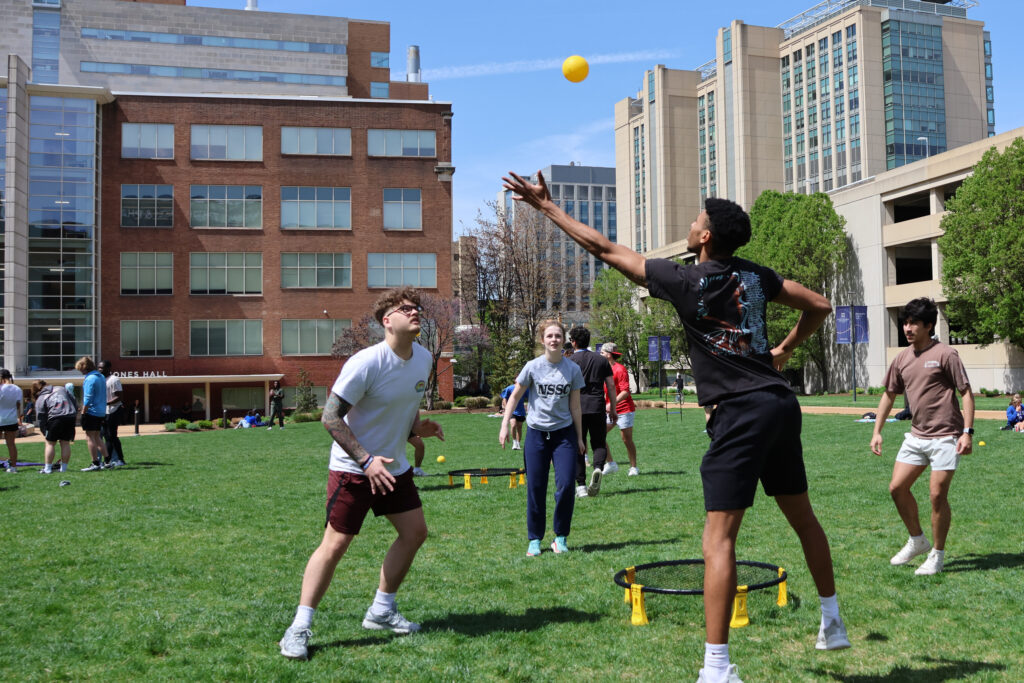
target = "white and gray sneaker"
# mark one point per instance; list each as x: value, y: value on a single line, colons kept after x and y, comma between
x: 295, y: 644
x: 912, y: 549
x: 595, y: 482
x: 833, y: 636
x: 389, y: 621
x: 734, y: 676
x: 633, y: 471
x: 610, y: 467
x: 932, y: 565
x: 581, y: 491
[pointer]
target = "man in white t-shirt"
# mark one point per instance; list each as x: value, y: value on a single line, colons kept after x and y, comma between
x: 115, y: 414
x: 371, y: 412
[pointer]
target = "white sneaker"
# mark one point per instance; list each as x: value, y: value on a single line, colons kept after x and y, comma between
x: 932, y: 565
x: 389, y: 621
x: 12, y: 470
x: 633, y: 471
x: 117, y: 463
x: 610, y: 467
x: 418, y: 472
x: 515, y: 446
x: 734, y: 677
x: 270, y: 427
x: 581, y: 491
x: 595, y: 482
x: 833, y: 636
x: 295, y: 644
x: 911, y: 550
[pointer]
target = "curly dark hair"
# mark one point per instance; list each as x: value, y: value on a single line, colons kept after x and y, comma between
x: 730, y: 224
x: 580, y: 336
x: 392, y: 298
x: 923, y: 309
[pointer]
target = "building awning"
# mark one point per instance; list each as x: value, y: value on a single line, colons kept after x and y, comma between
x: 152, y: 378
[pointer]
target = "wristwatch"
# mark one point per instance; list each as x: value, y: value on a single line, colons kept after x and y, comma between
x: 969, y: 430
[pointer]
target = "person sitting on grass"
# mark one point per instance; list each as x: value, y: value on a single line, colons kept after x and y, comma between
x: 1014, y: 415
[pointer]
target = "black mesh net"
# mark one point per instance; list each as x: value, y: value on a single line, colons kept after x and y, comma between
x: 687, y: 576
x: 486, y: 472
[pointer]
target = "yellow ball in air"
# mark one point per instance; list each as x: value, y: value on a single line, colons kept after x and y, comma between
x: 575, y: 68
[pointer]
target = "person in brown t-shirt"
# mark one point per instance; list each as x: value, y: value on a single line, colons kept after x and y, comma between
x: 931, y: 374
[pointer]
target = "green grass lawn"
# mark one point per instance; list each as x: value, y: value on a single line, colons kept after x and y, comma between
x: 186, y: 564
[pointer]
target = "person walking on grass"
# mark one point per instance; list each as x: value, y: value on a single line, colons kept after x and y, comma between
x: 94, y: 412
x: 276, y: 405
x: 755, y: 430
x: 10, y: 416
x: 597, y: 375
x: 115, y: 415
x: 554, y: 435
x: 57, y: 410
x: 371, y: 412
x: 620, y: 408
x: 931, y: 374
x: 518, y: 415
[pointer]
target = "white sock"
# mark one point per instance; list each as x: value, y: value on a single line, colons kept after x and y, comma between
x: 47, y: 468
x: 63, y: 467
x: 919, y: 539
x: 383, y: 602
x: 303, y: 617
x: 829, y: 609
x: 941, y: 554
x: 716, y: 662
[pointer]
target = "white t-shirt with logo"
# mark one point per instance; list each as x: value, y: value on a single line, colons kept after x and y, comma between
x: 113, y: 386
x: 385, y: 393
x: 10, y: 394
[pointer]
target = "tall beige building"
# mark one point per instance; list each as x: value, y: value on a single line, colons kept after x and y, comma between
x: 845, y: 90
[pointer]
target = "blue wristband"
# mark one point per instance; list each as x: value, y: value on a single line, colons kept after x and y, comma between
x: 367, y: 463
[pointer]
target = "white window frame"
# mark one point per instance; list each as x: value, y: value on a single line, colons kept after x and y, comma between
x: 311, y: 208
x: 215, y: 266
x: 299, y: 140
x: 246, y: 205
x: 312, y: 267
x: 410, y: 210
x: 160, y: 268
x: 317, y: 328
x: 384, y: 270
x: 138, y: 132
x: 389, y: 142
x: 206, y: 136
x: 166, y: 326
x: 251, y: 327
x: 157, y: 200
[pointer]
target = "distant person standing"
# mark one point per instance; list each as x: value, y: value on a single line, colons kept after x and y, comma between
x: 10, y: 416
x: 276, y: 405
x: 518, y: 414
x: 931, y: 374
x: 680, y: 386
x: 597, y: 374
x: 56, y: 409
x: 620, y: 405
x: 94, y: 412
x: 115, y: 415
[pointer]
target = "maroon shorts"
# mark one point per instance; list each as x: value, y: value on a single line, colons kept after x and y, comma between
x: 349, y: 499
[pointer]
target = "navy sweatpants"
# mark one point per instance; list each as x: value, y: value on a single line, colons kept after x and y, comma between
x: 539, y: 451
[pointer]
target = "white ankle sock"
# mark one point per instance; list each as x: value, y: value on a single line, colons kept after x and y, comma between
x: 716, y: 662
x: 383, y: 602
x: 829, y: 608
x: 941, y: 554
x: 47, y: 468
x: 63, y: 467
x: 303, y: 617
x: 919, y: 539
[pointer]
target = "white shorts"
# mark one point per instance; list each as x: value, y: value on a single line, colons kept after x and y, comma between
x: 623, y: 420
x: 939, y: 453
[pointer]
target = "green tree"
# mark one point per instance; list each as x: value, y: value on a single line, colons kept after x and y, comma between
x: 801, y: 237
x: 614, y: 318
x: 983, y: 250
x: 305, y: 399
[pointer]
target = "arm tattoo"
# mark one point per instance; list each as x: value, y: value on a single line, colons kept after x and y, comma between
x: 333, y: 420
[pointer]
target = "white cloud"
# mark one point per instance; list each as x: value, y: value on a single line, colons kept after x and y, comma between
x: 532, y: 65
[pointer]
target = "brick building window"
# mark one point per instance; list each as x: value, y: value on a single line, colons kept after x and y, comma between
x: 316, y: 207
x: 401, y: 143
x: 305, y: 140
x: 225, y: 272
x: 226, y: 338
x: 227, y: 143
x: 146, y: 272
x: 147, y: 206
x: 379, y: 90
x: 315, y: 270
x: 310, y: 337
x: 147, y: 338
x: 402, y: 209
x: 147, y: 140
x: 395, y: 270
x: 380, y: 60
x: 226, y: 206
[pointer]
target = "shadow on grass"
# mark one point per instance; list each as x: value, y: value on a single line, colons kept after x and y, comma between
x: 654, y: 473
x: 598, y: 547
x: 7, y: 488
x: 932, y: 671
x: 877, y: 637
x: 625, y: 492
x: 485, y: 623
x: 145, y: 465
x: 971, y: 563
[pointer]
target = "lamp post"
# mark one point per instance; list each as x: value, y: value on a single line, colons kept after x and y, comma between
x: 927, y: 147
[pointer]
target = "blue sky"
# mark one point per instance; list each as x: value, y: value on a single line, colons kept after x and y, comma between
x: 499, y: 64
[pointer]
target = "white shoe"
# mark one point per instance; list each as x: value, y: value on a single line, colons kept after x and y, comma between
x: 295, y: 644
x: 633, y: 471
x: 595, y: 482
x: 515, y: 446
x: 581, y: 491
x: 117, y: 463
x: 418, y: 472
x: 833, y: 636
x: 734, y: 677
x: 911, y: 550
x: 932, y: 565
x: 270, y: 427
x: 389, y: 621
x: 610, y: 467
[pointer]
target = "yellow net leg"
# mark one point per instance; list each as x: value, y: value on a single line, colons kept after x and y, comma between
x: 465, y: 482
x: 522, y: 478
x: 783, y: 598
x: 483, y: 480
x: 512, y: 480
x: 740, y: 618
x: 451, y: 480
x: 630, y: 578
x: 639, y: 617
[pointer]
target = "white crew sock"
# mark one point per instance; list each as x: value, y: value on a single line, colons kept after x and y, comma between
x: 63, y: 467
x: 383, y: 603
x: 941, y: 554
x: 829, y: 609
x: 47, y: 468
x: 303, y: 617
x: 919, y: 539
x: 716, y: 662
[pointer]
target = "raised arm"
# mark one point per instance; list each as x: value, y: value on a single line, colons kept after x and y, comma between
x: 618, y: 256
x: 814, y: 309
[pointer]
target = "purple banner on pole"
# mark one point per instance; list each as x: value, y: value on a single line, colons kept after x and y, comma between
x: 666, y: 349
x: 843, y: 325
x: 652, y: 349
x: 860, y: 324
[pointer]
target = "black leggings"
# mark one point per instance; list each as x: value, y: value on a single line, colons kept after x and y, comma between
x: 594, y: 433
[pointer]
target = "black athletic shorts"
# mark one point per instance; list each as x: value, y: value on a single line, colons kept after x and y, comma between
x: 61, y: 428
x: 13, y: 427
x: 92, y: 423
x: 754, y: 436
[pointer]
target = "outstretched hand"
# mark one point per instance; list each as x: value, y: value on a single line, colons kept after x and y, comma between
x: 428, y: 428
x: 533, y: 194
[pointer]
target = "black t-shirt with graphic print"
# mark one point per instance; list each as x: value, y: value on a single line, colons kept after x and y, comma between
x: 722, y: 306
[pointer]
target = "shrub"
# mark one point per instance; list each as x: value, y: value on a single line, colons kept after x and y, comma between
x: 205, y: 424
x: 223, y: 422
x: 496, y: 401
x: 181, y: 423
x: 171, y: 426
x: 477, y: 402
x: 442, y: 405
x: 308, y: 417
x: 460, y: 401
x: 991, y: 393
x: 192, y: 426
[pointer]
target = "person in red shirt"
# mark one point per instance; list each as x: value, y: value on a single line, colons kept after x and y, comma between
x: 625, y: 409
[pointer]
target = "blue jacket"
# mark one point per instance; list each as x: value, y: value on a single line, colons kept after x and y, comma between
x: 94, y: 394
x: 1012, y: 417
x: 520, y: 410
